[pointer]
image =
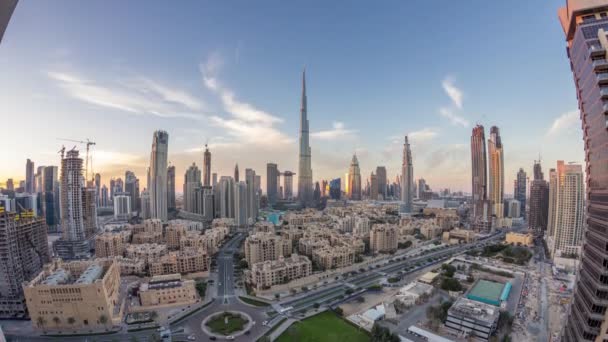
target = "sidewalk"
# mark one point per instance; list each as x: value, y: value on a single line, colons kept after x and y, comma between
x: 281, y: 329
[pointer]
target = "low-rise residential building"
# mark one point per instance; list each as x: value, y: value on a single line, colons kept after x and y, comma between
x: 167, y: 289
x: 173, y: 235
x: 334, y: 257
x: 410, y: 293
x: 456, y: 236
x: 308, y: 245
x: 263, y: 247
x: 473, y: 318
x: 431, y: 231
x: 265, y: 274
x: 188, y: 260
x: 263, y: 227
x: 520, y: 239
x: 383, y: 238
x: 146, y: 252
x: 147, y: 237
x: 77, y: 295
x: 111, y: 244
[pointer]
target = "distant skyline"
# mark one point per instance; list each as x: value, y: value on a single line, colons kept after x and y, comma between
x: 115, y: 72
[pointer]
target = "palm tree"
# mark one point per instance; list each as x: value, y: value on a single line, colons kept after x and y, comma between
x: 56, y: 320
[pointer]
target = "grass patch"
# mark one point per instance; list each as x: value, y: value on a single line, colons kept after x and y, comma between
x: 253, y: 301
x: 324, y: 327
x: 269, y: 332
x: 226, y: 323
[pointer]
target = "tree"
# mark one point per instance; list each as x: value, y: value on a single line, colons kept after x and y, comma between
x: 451, y: 284
x: 339, y: 311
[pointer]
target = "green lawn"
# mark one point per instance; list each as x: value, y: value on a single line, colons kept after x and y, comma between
x: 218, y: 324
x: 253, y: 301
x: 324, y: 327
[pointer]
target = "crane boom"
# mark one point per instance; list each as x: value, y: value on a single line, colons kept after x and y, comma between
x: 88, y: 143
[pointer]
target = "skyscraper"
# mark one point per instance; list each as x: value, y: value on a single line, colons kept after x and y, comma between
x: 272, y: 185
x: 38, y: 179
x: 157, y: 186
x: 304, y: 167
x: 50, y: 197
x: 407, y: 172
x: 334, y: 189
x: 171, y: 188
x: 236, y: 173
x: 252, y: 203
x: 192, y: 182
x: 497, y: 173
x: 207, y: 167
x: 98, y: 187
x: 354, y: 178
x: 29, y: 177
x: 481, y: 206
x: 240, y: 201
x: 568, y: 210
x: 539, y: 202
x: 288, y: 184
x: 382, y: 181
x: 226, y: 197
x: 520, y: 190
x: 132, y: 189
x: 373, y: 181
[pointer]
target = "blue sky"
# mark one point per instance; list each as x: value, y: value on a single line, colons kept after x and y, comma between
x: 229, y: 73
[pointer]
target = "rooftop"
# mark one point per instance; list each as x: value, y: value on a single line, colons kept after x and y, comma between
x: 486, y: 291
x: 474, y: 310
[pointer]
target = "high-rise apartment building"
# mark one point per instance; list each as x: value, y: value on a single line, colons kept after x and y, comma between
x: 373, y: 186
x: 539, y: 202
x: 158, y: 180
x: 38, y: 179
x: 407, y: 178
x: 226, y: 197
x: 382, y: 182
x: 334, y: 189
x: 568, y: 210
x: 104, y: 201
x: 192, y: 182
x: 171, y: 188
x: 553, y: 188
x: 288, y: 185
x: 236, y: 173
x: 29, y: 177
x: 354, y: 178
x: 50, y: 197
x: 122, y: 206
x: 272, y: 183
x: 240, y: 201
x: 304, y: 164
x: 520, y: 190
x: 23, y: 252
x: 496, y: 173
x: 252, y: 195
x: 97, y: 179
x: 145, y: 205
x: 207, y: 167
x: 132, y: 189
x: 482, y: 209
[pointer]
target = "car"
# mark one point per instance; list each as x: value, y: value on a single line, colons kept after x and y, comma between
x: 191, y: 338
x: 212, y: 338
x: 265, y: 323
x: 230, y: 337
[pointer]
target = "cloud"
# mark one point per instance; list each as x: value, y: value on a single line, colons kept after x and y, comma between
x: 423, y: 135
x: 454, y: 118
x: 246, y: 123
x: 563, y: 123
x: 138, y: 96
x: 453, y: 92
x: 337, y: 132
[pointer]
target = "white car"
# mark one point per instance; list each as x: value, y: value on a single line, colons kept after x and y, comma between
x: 265, y: 323
x: 191, y: 338
x: 230, y: 337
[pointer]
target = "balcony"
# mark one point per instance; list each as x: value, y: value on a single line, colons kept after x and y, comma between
x: 602, y: 78
x: 604, y: 93
x: 605, y: 108
x: 596, y: 51
x: 600, y: 64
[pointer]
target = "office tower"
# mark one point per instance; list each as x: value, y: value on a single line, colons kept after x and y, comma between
x: 104, y: 196
x: 272, y: 186
x: 226, y: 197
x: 569, y: 210
x: 89, y: 202
x: 520, y: 190
x: 23, y: 252
x: 421, y: 187
x: 145, y: 205
x: 10, y: 185
x: 208, y: 203
x: 373, y: 180
x: 29, y: 176
x: 214, y: 180
x: 122, y: 206
x: 50, y: 197
x: 73, y: 243
x: 207, y: 167
x: 334, y: 189
x: 132, y: 189
x: 236, y: 173
x: 538, y: 172
x: 482, y: 209
x: 98, y: 187
x: 240, y: 200
x: 112, y: 189
x: 252, y: 210
x: 21, y: 186
x: 553, y: 188
x: 316, y: 194
x: 171, y: 188
x: 324, y: 188
x: 158, y: 179
x: 354, y: 179
x: 288, y: 184
x: 539, y: 202
x: 496, y: 173
x: 257, y: 184
x: 407, y: 172
x: 192, y: 182
x: 304, y: 165
x: 345, y: 185
x: 38, y: 179
x: 382, y: 181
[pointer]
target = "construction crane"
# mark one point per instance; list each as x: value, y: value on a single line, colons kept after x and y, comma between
x: 88, y: 143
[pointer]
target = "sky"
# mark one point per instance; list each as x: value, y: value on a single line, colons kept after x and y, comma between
x: 228, y: 73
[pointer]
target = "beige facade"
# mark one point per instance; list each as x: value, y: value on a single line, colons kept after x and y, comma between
x: 383, y: 238
x: 80, y: 295
x: 431, y: 231
x: 307, y: 245
x: 334, y: 257
x: 146, y: 252
x: 188, y: 260
x: 520, y: 239
x: 147, y: 237
x: 167, y: 289
x: 263, y: 247
x: 458, y: 235
x: 268, y: 273
x: 110, y: 244
x: 173, y: 236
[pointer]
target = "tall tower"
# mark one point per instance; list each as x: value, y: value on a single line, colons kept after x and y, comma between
x: 207, y: 167
x: 157, y: 185
x: 192, y: 181
x: 29, y: 176
x: 382, y: 181
x: 407, y: 180
x: 479, y: 164
x: 272, y: 184
x: 539, y: 202
x: 569, y: 210
x: 171, y: 187
x: 236, y: 173
x: 584, y: 24
x: 354, y: 177
x: 520, y: 190
x: 304, y: 167
x: 497, y: 172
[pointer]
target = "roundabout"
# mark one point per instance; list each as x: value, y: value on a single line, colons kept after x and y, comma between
x: 227, y: 323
